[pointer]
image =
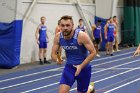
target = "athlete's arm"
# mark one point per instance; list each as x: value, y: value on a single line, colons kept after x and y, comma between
x: 93, y: 27
x: 37, y: 34
x: 105, y: 30
x: 55, y: 47
x: 117, y: 23
x: 116, y: 28
x: 56, y: 30
x: 47, y: 36
x: 100, y: 35
x: 85, y: 40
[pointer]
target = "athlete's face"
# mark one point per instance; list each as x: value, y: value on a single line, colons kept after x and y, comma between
x: 108, y: 21
x: 111, y: 20
x: 43, y: 20
x: 66, y: 27
x: 81, y: 22
x: 114, y: 19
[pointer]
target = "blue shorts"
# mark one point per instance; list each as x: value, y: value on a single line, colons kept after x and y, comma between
x: 110, y: 38
x: 43, y: 44
x: 83, y: 79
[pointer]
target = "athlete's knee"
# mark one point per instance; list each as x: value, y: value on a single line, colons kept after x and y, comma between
x: 64, y: 89
x: 44, y: 50
x: 40, y: 50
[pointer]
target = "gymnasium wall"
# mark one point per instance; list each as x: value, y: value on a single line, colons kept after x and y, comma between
x: 7, y: 10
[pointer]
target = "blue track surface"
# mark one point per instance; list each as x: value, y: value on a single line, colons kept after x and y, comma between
x: 117, y: 74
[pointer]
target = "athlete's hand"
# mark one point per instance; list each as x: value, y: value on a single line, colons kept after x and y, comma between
x: 105, y: 37
x: 137, y: 53
x: 79, y: 68
x: 59, y: 62
x: 59, y: 59
x: 38, y: 42
x: 100, y: 40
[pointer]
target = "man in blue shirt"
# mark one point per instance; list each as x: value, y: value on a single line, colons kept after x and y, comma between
x: 81, y: 26
x: 42, y: 40
x: 76, y: 45
x: 110, y: 29
x: 97, y: 36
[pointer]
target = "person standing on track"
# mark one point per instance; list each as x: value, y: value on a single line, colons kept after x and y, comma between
x: 76, y: 45
x: 105, y: 33
x: 116, y: 33
x: 109, y: 30
x: 97, y: 35
x: 42, y: 40
x: 81, y: 25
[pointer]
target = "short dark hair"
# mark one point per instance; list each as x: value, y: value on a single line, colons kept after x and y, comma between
x: 80, y: 20
x: 66, y: 17
x: 114, y: 16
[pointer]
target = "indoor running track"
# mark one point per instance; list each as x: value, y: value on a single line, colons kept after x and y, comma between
x: 117, y: 74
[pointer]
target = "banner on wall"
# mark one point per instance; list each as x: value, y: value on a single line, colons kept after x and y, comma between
x: 10, y: 41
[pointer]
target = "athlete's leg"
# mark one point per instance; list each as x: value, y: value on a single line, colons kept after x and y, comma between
x: 83, y: 79
x: 63, y: 88
x: 96, y: 48
x: 91, y: 88
x: 107, y: 49
x: 44, y: 52
x: 41, y: 55
x: 116, y: 43
x: 137, y: 52
x: 111, y: 48
x: 67, y: 79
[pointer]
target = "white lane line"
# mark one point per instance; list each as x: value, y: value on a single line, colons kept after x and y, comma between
x: 60, y: 68
x: 29, y: 75
x: 127, y: 79
x: 122, y: 85
x: 115, y: 68
x: 96, y: 71
x: 112, y: 61
x: 28, y: 82
x: 58, y: 75
x: 116, y: 75
x: 40, y: 87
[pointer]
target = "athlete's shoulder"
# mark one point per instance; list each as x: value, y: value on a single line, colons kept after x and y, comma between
x: 81, y: 34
